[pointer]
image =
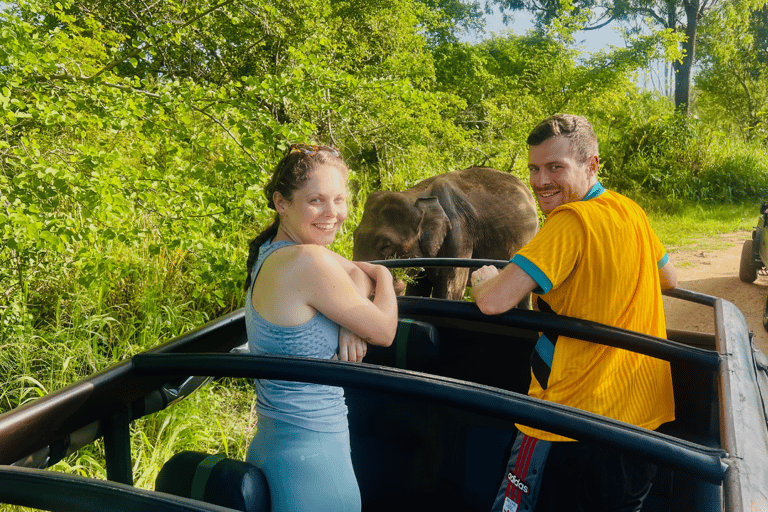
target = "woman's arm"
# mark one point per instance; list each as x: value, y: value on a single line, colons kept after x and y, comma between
x: 364, y: 284
x: 351, y: 346
x: 384, y: 296
x: 330, y: 290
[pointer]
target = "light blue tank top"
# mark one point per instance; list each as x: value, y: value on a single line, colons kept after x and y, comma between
x: 312, y: 406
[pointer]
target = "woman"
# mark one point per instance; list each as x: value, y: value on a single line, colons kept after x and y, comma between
x: 301, y: 297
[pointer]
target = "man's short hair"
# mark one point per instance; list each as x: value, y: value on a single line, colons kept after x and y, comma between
x: 574, y: 128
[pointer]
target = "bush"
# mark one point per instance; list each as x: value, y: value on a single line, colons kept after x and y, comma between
x: 735, y: 177
x: 672, y: 157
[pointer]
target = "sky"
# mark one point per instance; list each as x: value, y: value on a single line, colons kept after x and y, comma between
x: 591, y: 41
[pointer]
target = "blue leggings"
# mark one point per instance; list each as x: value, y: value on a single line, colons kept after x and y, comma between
x: 307, y: 471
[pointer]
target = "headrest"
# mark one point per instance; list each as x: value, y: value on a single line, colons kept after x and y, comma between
x: 215, y: 479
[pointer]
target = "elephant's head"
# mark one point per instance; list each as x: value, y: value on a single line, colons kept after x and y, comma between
x: 396, y: 225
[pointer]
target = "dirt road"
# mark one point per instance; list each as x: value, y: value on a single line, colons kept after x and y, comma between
x: 712, y: 267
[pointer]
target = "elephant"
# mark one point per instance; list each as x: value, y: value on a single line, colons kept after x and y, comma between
x: 477, y: 212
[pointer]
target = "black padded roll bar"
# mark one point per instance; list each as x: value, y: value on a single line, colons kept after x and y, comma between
x: 566, y: 326
x: 52, y: 490
x: 704, y: 462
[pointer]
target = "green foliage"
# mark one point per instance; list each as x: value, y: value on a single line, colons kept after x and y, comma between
x: 674, y: 20
x: 679, y: 159
x: 508, y: 84
x: 732, y: 85
x: 105, y: 172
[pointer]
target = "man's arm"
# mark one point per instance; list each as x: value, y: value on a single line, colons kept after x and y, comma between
x: 668, y: 276
x: 497, y: 292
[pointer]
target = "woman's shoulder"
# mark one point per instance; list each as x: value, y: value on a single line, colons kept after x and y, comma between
x: 314, y: 252
x: 306, y: 257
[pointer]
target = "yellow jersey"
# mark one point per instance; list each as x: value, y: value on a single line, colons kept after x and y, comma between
x: 598, y: 259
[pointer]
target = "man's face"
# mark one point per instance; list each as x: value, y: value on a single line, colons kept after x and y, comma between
x: 557, y: 177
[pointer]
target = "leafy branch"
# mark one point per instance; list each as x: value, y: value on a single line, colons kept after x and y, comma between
x: 143, y: 46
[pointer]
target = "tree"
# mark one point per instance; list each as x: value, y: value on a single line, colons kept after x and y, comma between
x: 510, y: 83
x: 733, y: 82
x: 678, y: 16
x: 129, y: 129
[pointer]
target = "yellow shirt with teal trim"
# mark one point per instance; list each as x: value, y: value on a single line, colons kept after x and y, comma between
x: 598, y: 260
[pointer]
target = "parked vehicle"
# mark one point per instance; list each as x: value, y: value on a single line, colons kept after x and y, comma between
x: 431, y: 418
x: 754, y: 254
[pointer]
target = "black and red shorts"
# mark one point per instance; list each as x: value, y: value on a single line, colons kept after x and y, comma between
x: 543, y: 476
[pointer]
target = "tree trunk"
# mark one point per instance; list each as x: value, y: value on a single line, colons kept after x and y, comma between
x: 684, y: 69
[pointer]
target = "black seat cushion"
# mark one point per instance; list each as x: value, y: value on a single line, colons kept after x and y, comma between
x: 215, y: 479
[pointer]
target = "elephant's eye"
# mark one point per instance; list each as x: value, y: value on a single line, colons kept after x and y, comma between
x: 387, y: 250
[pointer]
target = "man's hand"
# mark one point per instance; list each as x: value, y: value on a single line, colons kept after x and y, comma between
x: 497, y: 292
x: 351, y: 346
x: 483, y: 274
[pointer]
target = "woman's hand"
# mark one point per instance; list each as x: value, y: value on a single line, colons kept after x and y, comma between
x: 375, y: 272
x: 351, y: 346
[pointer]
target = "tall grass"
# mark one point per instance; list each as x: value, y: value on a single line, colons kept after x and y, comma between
x: 686, y: 223
x: 677, y: 159
x: 220, y: 417
x: 59, y: 334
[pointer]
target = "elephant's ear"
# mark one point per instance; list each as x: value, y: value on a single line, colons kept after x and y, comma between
x: 434, y: 225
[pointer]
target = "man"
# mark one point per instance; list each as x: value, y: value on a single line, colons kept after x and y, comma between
x: 597, y: 258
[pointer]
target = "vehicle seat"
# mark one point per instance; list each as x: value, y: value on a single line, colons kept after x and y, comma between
x: 416, y: 347
x: 397, y: 454
x: 675, y: 489
x: 215, y: 479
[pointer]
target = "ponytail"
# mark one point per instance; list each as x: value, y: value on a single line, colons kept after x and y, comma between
x: 255, y: 245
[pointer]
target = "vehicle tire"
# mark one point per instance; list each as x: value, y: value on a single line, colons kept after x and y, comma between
x: 747, y: 265
x: 765, y: 314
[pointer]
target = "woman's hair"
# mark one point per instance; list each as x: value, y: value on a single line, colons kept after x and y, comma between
x: 290, y: 174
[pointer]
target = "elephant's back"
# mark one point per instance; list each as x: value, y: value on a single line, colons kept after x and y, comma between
x: 487, y: 179
x: 501, y: 188
x: 505, y: 216
x: 483, y: 180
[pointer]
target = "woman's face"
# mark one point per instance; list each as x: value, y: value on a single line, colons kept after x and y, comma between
x: 317, y: 209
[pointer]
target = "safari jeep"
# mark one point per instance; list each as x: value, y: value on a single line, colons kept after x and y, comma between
x: 754, y: 254
x: 444, y: 400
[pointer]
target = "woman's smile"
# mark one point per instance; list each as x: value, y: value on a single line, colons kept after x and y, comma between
x: 317, y: 210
